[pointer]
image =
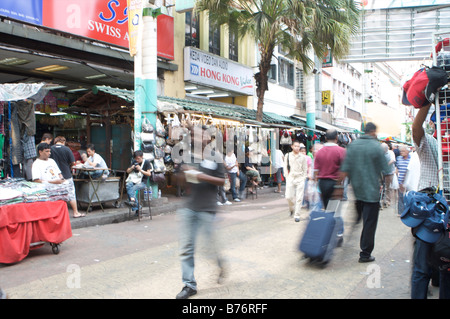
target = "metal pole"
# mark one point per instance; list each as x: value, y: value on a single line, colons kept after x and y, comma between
x: 145, y: 77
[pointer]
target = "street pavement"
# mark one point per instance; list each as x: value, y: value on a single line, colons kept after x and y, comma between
x: 112, y: 257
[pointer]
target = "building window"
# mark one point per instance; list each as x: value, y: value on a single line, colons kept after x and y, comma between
x: 299, y: 91
x: 233, y: 53
x: 214, y: 39
x: 286, y: 77
x: 272, y: 74
x: 192, y: 32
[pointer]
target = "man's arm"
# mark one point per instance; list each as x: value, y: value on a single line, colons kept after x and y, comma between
x: 417, y: 126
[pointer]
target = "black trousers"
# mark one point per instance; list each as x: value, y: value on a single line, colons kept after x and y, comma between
x: 368, y: 212
x: 326, y: 187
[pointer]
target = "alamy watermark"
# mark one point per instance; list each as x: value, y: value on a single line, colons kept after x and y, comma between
x: 74, y: 278
x: 374, y: 276
x: 209, y: 143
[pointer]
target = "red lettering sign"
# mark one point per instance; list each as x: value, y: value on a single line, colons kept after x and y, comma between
x: 103, y: 20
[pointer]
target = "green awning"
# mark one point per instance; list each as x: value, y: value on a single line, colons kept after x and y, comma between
x: 207, y: 107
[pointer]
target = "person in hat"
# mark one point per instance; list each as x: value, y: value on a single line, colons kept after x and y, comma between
x: 427, y: 150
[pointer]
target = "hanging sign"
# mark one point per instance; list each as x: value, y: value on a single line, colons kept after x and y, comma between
x: 212, y: 70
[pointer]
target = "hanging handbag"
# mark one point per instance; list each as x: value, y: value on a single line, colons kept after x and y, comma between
x: 158, y: 165
x: 147, y: 127
x: 159, y: 153
x: 160, y: 131
x: 160, y: 141
x: 157, y: 177
x: 147, y: 147
x: 147, y: 137
x: 149, y: 156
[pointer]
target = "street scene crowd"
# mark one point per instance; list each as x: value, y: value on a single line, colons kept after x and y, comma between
x: 380, y: 174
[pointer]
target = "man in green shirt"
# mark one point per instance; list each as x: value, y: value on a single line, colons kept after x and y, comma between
x: 364, y: 164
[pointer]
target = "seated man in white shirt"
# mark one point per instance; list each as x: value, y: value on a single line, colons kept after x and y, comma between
x: 45, y: 170
x: 94, y: 161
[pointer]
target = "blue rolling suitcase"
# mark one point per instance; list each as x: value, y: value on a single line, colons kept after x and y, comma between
x: 323, y: 233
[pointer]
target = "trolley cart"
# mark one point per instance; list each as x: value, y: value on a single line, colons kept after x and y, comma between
x: 27, y: 226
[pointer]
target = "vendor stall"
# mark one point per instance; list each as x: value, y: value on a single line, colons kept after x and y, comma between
x: 31, y: 214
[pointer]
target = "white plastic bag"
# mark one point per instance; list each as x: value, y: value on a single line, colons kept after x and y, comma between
x: 394, y: 184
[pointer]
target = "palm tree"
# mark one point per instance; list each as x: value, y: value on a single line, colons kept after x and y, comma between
x: 299, y: 26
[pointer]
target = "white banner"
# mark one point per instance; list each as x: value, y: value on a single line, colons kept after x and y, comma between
x: 204, y: 68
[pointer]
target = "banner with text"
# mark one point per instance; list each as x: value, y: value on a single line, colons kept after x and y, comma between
x: 101, y: 20
x: 204, y: 68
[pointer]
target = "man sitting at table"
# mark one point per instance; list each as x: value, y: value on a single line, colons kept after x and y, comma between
x: 94, y: 161
x: 45, y: 170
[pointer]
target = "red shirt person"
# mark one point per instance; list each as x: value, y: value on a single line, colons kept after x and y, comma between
x: 327, y: 164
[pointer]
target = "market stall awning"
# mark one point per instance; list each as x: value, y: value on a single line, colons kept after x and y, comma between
x: 103, y: 98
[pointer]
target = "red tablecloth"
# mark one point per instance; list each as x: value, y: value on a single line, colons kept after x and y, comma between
x: 26, y: 223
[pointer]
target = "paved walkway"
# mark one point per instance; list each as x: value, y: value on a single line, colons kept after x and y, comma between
x: 140, y: 259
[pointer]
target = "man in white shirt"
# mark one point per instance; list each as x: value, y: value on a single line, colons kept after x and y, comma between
x: 94, y: 161
x: 295, y: 169
x: 45, y: 170
x: 232, y: 167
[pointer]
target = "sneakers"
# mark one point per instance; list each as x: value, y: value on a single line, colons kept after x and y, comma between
x: 227, y: 203
x: 186, y: 292
x: 219, y: 203
x: 237, y: 199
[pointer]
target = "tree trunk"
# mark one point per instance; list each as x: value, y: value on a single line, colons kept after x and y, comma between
x: 262, y: 81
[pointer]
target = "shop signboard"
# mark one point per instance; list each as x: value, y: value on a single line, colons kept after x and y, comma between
x: 101, y: 20
x: 201, y: 67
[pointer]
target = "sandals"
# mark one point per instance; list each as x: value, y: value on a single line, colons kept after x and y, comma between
x: 79, y: 215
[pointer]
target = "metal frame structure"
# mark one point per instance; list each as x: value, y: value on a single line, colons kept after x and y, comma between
x: 442, y: 59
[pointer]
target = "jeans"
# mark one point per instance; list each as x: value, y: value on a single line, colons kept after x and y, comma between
x: 242, y: 183
x: 422, y: 272
x: 221, y: 195
x: 131, y: 191
x: 369, y: 213
x: 233, y: 185
x: 94, y: 174
x: 326, y: 186
x: 190, y: 223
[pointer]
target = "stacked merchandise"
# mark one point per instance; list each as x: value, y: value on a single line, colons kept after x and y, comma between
x: 153, y: 143
x: 18, y: 190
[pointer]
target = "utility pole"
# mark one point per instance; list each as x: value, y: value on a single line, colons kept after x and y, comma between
x: 145, y: 72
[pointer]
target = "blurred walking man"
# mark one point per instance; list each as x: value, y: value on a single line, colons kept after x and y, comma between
x: 364, y: 164
x: 203, y: 174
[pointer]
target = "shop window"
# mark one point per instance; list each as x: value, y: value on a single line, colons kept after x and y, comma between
x: 192, y: 32
x: 233, y: 52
